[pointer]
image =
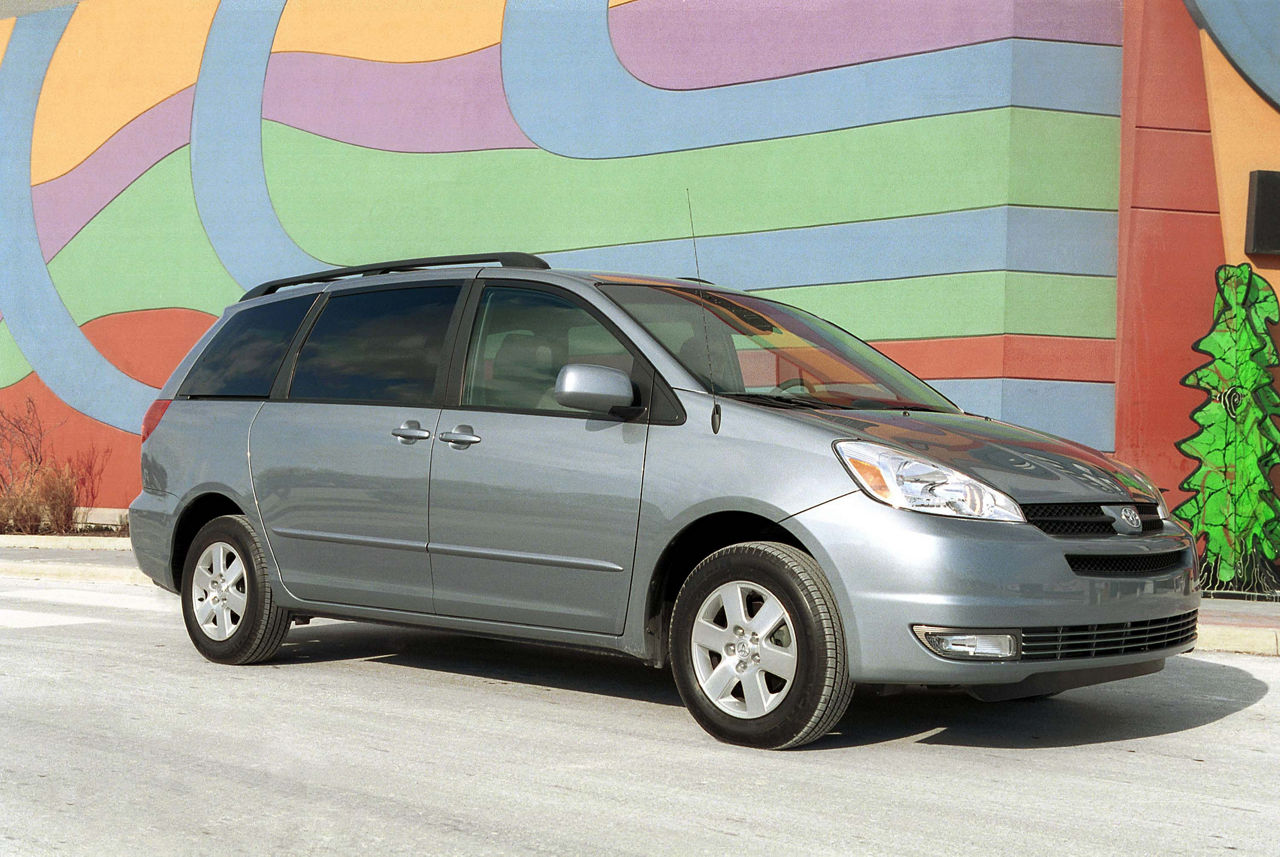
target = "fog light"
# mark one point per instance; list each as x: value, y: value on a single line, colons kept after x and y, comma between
x: 969, y: 645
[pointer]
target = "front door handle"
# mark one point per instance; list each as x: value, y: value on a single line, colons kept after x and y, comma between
x: 461, y: 437
x: 411, y: 431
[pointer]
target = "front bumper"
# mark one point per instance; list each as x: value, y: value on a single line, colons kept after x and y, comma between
x: 893, y: 569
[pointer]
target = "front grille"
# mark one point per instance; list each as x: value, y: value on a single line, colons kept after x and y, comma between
x: 1128, y: 565
x: 1095, y: 641
x: 1084, y: 519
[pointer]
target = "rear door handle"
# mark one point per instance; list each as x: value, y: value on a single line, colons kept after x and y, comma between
x: 461, y: 437
x: 411, y: 431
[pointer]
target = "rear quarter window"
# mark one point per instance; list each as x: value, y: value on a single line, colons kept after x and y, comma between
x: 242, y: 359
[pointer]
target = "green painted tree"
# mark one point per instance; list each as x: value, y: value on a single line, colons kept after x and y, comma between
x: 1233, y: 504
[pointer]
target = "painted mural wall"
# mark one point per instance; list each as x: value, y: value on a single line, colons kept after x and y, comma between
x: 939, y: 176
x: 1197, y: 400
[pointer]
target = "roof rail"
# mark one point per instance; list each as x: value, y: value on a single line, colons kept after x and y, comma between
x: 507, y: 260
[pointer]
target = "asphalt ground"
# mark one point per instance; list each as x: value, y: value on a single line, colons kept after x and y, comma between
x: 117, y: 737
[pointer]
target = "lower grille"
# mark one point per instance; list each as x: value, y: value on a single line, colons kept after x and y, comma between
x: 1124, y: 565
x: 1095, y: 641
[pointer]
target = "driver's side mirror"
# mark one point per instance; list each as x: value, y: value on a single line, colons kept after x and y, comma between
x: 597, y: 389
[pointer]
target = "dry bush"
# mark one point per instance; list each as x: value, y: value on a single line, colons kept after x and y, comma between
x: 88, y: 466
x: 36, y: 491
x: 57, y: 496
x: 20, y: 507
x: 22, y: 444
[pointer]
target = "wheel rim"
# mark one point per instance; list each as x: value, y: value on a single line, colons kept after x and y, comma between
x: 744, y: 649
x: 219, y: 591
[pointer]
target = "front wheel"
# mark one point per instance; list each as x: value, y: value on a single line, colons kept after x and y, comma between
x: 757, y: 648
x: 226, y: 597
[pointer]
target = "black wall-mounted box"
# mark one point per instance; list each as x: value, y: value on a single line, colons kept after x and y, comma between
x: 1262, y: 229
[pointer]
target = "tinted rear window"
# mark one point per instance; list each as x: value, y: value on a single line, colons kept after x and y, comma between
x: 380, y: 347
x: 244, y: 356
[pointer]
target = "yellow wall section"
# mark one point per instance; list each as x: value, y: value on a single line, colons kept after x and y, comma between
x: 6, y: 28
x: 1245, y: 130
x: 392, y: 30
x: 116, y: 59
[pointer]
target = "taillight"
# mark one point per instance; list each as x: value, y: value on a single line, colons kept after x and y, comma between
x: 152, y: 417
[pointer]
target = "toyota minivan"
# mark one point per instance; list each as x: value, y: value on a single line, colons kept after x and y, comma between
x: 669, y: 469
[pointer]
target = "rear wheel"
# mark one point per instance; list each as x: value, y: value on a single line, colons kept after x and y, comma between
x: 757, y: 648
x: 226, y: 599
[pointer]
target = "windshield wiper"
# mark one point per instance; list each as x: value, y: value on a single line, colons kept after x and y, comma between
x: 782, y: 400
x: 886, y: 405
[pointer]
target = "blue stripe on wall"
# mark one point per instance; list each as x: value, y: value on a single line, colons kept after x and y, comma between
x: 44, y: 331
x: 1077, y: 410
x: 571, y: 95
x: 1016, y: 238
x: 226, y: 147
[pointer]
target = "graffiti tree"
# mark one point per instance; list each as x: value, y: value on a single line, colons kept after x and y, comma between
x: 1233, y: 504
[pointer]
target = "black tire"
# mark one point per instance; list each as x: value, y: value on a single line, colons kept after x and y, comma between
x: 256, y: 632
x: 815, y: 698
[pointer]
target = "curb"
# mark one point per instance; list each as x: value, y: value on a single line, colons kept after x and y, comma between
x: 94, y: 543
x: 1246, y: 641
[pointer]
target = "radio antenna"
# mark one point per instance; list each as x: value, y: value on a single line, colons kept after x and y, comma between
x: 706, y: 334
x: 693, y: 234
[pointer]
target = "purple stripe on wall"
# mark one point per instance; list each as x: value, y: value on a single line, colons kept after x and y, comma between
x: 675, y: 44
x: 452, y: 105
x: 65, y: 204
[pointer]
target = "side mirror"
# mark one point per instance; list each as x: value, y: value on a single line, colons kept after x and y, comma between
x: 598, y: 389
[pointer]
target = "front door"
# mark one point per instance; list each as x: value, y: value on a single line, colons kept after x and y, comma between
x: 534, y: 506
x: 341, y: 465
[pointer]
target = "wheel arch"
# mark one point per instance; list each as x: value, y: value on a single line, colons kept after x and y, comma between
x: 694, y: 543
x: 199, y: 511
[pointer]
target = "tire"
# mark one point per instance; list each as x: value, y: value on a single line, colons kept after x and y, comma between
x: 749, y: 615
x: 226, y: 599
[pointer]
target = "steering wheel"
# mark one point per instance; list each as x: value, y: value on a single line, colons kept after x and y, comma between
x: 791, y: 384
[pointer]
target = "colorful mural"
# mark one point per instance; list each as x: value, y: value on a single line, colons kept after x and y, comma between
x: 939, y: 176
x: 1233, y: 507
x: 1198, y: 115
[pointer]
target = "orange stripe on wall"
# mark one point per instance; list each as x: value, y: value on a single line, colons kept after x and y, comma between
x: 1044, y: 358
x: 147, y: 344
x: 6, y: 30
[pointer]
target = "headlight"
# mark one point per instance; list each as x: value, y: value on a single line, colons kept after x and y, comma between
x: 1142, y: 483
x: 914, y: 482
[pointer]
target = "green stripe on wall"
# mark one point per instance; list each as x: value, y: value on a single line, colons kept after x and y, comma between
x: 13, y: 366
x: 1078, y: 170
x: 145, y: 250
x: 349, y: 204
x: 977, y: 304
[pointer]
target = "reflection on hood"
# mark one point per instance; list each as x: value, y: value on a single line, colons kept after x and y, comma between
x: 1029, y: 466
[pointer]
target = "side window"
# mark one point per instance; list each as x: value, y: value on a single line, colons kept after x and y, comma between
x: 244, y: 356
x: 379, y: 347
x: 521, y: 340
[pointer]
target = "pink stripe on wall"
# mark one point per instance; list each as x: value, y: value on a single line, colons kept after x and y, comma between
x: 451, y: 105
x: 678, y: 44
x: 65, y: 204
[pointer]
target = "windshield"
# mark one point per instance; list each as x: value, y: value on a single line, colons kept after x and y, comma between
x: 740, y: 345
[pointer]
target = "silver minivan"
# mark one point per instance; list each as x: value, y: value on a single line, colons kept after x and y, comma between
x: 674, y: 470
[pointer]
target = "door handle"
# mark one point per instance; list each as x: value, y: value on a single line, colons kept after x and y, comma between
x: 461, y: 437
x: 411, y: 431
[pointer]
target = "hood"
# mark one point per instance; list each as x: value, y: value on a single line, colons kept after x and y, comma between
x: 1029, y: 466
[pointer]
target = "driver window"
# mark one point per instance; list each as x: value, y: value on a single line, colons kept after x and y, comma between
x: 521, y: 340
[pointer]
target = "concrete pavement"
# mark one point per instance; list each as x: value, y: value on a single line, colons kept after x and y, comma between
x: 1226, y: 625
x: 117, y: 737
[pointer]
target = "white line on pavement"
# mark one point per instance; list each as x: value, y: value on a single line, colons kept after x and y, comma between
x: 30, y: 619
x: 156, y: 601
